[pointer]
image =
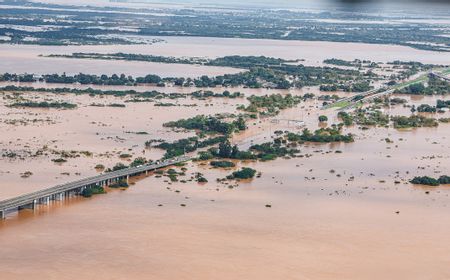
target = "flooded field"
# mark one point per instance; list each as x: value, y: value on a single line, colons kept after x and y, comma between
x: 325, y: 208
x: 337, y: 211
x: 26, y: 59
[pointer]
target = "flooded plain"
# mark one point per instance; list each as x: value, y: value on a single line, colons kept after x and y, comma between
x: 342, y: 211
x: 353, y: 222
x: 27, y: 59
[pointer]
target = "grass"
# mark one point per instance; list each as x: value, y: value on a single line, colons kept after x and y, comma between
x: 340, y: 104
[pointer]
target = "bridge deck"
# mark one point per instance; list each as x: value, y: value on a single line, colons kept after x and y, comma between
x: 48, y: 192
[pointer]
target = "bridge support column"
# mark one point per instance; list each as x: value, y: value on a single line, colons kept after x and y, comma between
x: 44, y: 200
x: 128, y: 179
x: 28, y: 206
x: 2, y: 214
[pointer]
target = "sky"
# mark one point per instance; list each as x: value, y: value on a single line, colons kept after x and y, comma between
x: 416, y: 6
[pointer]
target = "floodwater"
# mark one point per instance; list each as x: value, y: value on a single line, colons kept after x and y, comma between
x: 26, y: 59
x: 332, y: 215
x: 349, y: 215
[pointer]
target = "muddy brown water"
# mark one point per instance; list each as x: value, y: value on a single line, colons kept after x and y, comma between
x: 26, y: 59
x: 332, y: 215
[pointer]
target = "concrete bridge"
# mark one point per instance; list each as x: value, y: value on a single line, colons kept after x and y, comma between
x: 59, y: 192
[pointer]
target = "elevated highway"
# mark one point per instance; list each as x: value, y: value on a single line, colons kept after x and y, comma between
x: 76, y: 187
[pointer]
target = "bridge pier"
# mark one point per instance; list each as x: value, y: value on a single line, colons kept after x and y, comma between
x: 44, y: 200
x: 2, y: 214
x: 59, y: 196
x: 31, y: 206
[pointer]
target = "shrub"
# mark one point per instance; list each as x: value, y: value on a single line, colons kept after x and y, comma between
x: 120, y: 184
x: 425, y: 180
x: 323, y: 118
x: 222, y: 164
x: 244, y: 173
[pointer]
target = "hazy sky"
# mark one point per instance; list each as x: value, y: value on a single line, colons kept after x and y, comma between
x: 383, y: 5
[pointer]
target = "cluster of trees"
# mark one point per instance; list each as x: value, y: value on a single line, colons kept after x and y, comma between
x: 209, y: 124
x: 413, y: 121
x: 87, y: 79
x: 44, y: 104
x: 272, y: 150
x: 429, y: 181
x: 435, y: 86
x: 440, y: 104
x: 262, y: 72
x: 361, y: 86
x: 88, y: 192
x: 187, y: 145
x: 119, y: 166
x: 270, y: 105
x: 222, y: 164
x: 7, y: 77
x: 120, y: 184
x: 244, y: 173
x: 424, y: 108
x: 205, y: 94
x: 346, y: 118
x: 132, y: 57
x: 370, y: 117
x: 92, y: 92
x: 226, y: 150
x: 322, y: 135
x: 235, y: 61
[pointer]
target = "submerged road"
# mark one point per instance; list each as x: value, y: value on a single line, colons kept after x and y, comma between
x: 76, y: 187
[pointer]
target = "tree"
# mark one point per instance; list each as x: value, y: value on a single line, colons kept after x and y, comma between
x: 323, y: 118
x: 240, y: 123
x: 244, y: 173
x: 234, y: 151
x: 225, y: 149
x: 138, y: 161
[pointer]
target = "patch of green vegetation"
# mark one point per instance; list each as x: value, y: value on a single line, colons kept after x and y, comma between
x: 188, y: 145
x: 369, y: 117
x: 435, y: 86
x: 425, y: 108
x: 244, y: 173
x: 340, y: 104
x: 118, y: 166
x: 429, y: 181
x: 413, y: 121
x: 270, y: 105
x: 322, y: 135
x: 200, y: 178
x: 222, y: 164
x: 209, y: 124
x: 120, y: 184
x: 138, y: 161
x: 44, y: 104
x: 323, y: 118
x: 99, y: 167
x: 90, y: 191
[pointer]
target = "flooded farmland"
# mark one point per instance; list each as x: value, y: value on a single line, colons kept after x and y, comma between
x: 27, y: 59
x: 311, y: 206
x: 336, y: 171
